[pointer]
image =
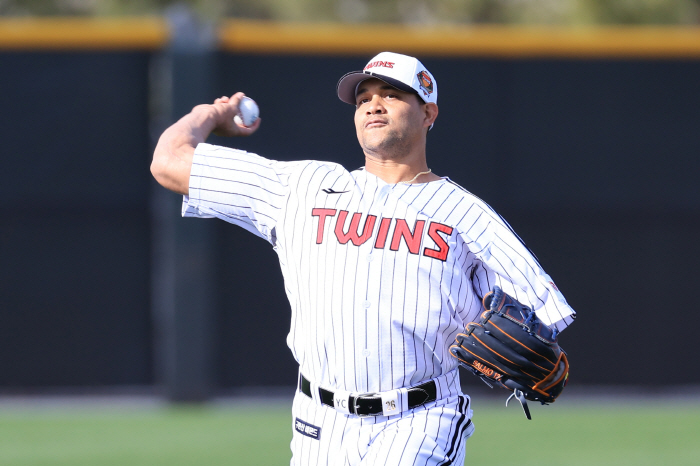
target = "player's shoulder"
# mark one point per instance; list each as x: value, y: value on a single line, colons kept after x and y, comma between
x: 225, y: 156
x: 470, y: 208
x: 325, y: 165
x: 464, y: 197
x: 479, y: 216
x: 224, y: 152
x: 461, y: 191
x: 311, y: 172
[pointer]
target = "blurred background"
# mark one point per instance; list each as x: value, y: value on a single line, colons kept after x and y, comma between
x: 578, y: 120
x: 564, y: 12
x: 129, y: 335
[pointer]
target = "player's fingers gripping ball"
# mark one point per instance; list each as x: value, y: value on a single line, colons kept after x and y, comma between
x: 510, y: 347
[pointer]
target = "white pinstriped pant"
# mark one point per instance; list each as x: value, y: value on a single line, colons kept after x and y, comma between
x: 429, y: 435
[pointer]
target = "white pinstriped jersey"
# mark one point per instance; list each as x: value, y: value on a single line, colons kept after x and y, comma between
x: 380, y: 277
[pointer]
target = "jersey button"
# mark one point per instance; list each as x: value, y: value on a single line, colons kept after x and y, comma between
x: 366, y: 353
x: 366, y: 304
x: 370, y: 257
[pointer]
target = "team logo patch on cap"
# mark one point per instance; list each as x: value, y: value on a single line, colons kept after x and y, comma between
x: 426, y: 84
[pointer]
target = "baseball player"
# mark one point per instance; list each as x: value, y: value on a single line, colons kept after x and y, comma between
x: 383, y: 267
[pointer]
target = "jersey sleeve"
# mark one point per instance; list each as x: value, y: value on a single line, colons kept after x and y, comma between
x: 504, y: 260
x: 239, y: 187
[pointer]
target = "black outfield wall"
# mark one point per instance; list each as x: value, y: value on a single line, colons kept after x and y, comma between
x: 74, y: 221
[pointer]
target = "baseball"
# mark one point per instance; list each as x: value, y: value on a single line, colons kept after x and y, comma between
x: 248, y: 112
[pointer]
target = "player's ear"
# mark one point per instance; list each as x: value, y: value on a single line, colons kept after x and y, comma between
x: 431, y: 113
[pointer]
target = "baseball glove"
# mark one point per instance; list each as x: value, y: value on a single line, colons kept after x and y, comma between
x: 511, y: 348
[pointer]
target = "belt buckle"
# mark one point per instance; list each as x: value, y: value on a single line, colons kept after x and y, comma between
x: 358, y: 398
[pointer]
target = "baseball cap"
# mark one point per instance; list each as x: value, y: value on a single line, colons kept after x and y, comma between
x: 401, y: 71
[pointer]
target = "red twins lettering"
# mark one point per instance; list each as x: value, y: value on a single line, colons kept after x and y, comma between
x: 401, y: 230
x: 322, y: 214
x: 359, y: 233
x: 352, y: 234
x: 383, y: 64
x: 382, y: 234
x: 442, y: 247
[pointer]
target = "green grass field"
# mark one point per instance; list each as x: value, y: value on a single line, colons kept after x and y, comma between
x: 639, y: 434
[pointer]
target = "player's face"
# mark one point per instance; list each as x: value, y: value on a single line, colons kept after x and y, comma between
x: 389, y: 122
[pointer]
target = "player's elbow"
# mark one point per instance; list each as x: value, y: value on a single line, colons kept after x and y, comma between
x: 158, y: 169
x: 166, y: 173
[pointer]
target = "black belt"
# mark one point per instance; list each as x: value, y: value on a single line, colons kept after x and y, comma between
x: 370, y: 404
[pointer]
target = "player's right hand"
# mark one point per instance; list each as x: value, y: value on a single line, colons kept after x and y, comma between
x: 223, y: 110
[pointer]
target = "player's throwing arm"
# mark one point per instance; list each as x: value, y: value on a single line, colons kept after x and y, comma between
x: 227, y: 116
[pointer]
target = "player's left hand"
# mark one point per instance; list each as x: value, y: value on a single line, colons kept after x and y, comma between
x: 511, y: 348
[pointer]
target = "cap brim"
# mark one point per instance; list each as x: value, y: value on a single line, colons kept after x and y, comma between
x: 347, y: 85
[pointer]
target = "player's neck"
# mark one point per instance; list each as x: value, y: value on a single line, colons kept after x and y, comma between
x: 393, y: 172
